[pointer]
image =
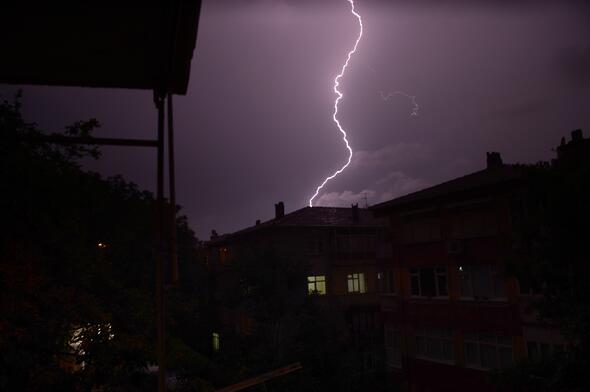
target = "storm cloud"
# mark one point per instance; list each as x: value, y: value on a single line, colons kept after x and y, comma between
x: 256, y: 126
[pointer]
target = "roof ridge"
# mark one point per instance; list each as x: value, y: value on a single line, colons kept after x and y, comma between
x: 442, y: 184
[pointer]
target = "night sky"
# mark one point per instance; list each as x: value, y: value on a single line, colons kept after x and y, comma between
x: 255, y: 127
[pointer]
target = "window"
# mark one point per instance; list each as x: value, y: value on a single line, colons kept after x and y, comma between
x: 473, y: 223
x: 517, y: 210
x: 355, y: 283
x: 435, y: 344
x: 385, y: 282
x: 481, y: 282
x: 370, y: 361
x: 421, y: 230
x: 363, y: 321
x: 488, y: 351
x: 429, y: 282
x: 316, y: 284
x: 315, y: 244
x: 536, y: 350
x: 215, y: 342
x: 383, y: 248
x: 393, y: 353
x: 355, y: 243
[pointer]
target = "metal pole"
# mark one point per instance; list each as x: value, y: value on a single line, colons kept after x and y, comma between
x: 101, y: 141
x: 172, y: 184
x: 160, y: 311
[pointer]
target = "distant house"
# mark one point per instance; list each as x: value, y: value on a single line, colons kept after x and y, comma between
x: 454, y: 311
x: 343, y: 248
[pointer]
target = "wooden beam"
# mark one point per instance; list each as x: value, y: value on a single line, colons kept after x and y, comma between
x: 262, y: 378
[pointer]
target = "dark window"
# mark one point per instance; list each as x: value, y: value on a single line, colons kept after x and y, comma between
x: 488, y: 351
x: 435, y: 344
x: 385, y: 281
x: 390, y: 282
x: 429, y: 282
x: 481, y: 282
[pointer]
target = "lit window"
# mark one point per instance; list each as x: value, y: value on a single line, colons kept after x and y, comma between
x: 80, y: 335
x: 435, y: 344
x: 355, y: 283
x: 481, y: 282
x: 488, y: 351
x: 429, y: 282
x: 316, y: 284
x: 215, y: 342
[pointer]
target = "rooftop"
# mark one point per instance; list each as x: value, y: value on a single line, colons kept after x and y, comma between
x: 319, y: 217
x: 481, y: 179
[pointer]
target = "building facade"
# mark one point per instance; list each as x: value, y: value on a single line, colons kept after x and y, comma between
x: 342, y: 249
x: 457, y: 310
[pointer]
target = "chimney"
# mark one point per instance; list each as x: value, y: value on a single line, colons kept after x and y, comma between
x: 355, y: 212
x: 494, y: 160
x: 577, y: 135
x: 214, y: 235
x: 257, y: 222
x: 279, y: 210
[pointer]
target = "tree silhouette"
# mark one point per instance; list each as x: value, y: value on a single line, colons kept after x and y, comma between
x: 77, y: 268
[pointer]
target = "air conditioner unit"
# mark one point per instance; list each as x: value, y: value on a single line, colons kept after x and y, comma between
x: 454, y: 247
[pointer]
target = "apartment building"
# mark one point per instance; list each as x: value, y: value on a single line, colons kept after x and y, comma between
x: 453, y: 311
x: 342, y: 249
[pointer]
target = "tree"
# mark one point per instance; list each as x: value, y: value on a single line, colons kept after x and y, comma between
x: 555, y: 232
x: 77, y: 267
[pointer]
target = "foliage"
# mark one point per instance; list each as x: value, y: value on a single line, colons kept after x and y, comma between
x: 558, y: 264
x: 77, y: 270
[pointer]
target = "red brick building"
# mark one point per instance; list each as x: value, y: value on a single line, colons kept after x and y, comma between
x: 432, y: 271
x: 456, y: 312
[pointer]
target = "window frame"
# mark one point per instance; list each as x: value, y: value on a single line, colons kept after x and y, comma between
x: 386, y: 282
x: 316, y: 244
x: 361, y: 283
x: 493, y: 275
x: 487, y: 340
x: 314, y: 280
x: 417, y: 272
x: 442, y: 337
x: 355, y: 243
x: 393, y: 347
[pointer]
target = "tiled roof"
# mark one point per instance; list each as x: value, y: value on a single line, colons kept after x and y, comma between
x: 320, y: 217
x: 480, y: 179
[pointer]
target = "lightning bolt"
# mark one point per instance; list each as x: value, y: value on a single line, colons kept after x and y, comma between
x: 337, y: 101
x: 412, y: 99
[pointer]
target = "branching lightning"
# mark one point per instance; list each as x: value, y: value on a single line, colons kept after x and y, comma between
x: 337, y: 101
x: 412, y: 99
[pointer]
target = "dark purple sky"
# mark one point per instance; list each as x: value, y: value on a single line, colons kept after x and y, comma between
x: 255, y: 127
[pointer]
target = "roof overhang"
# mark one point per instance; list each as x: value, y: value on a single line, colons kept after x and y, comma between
x: 134, y: 45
